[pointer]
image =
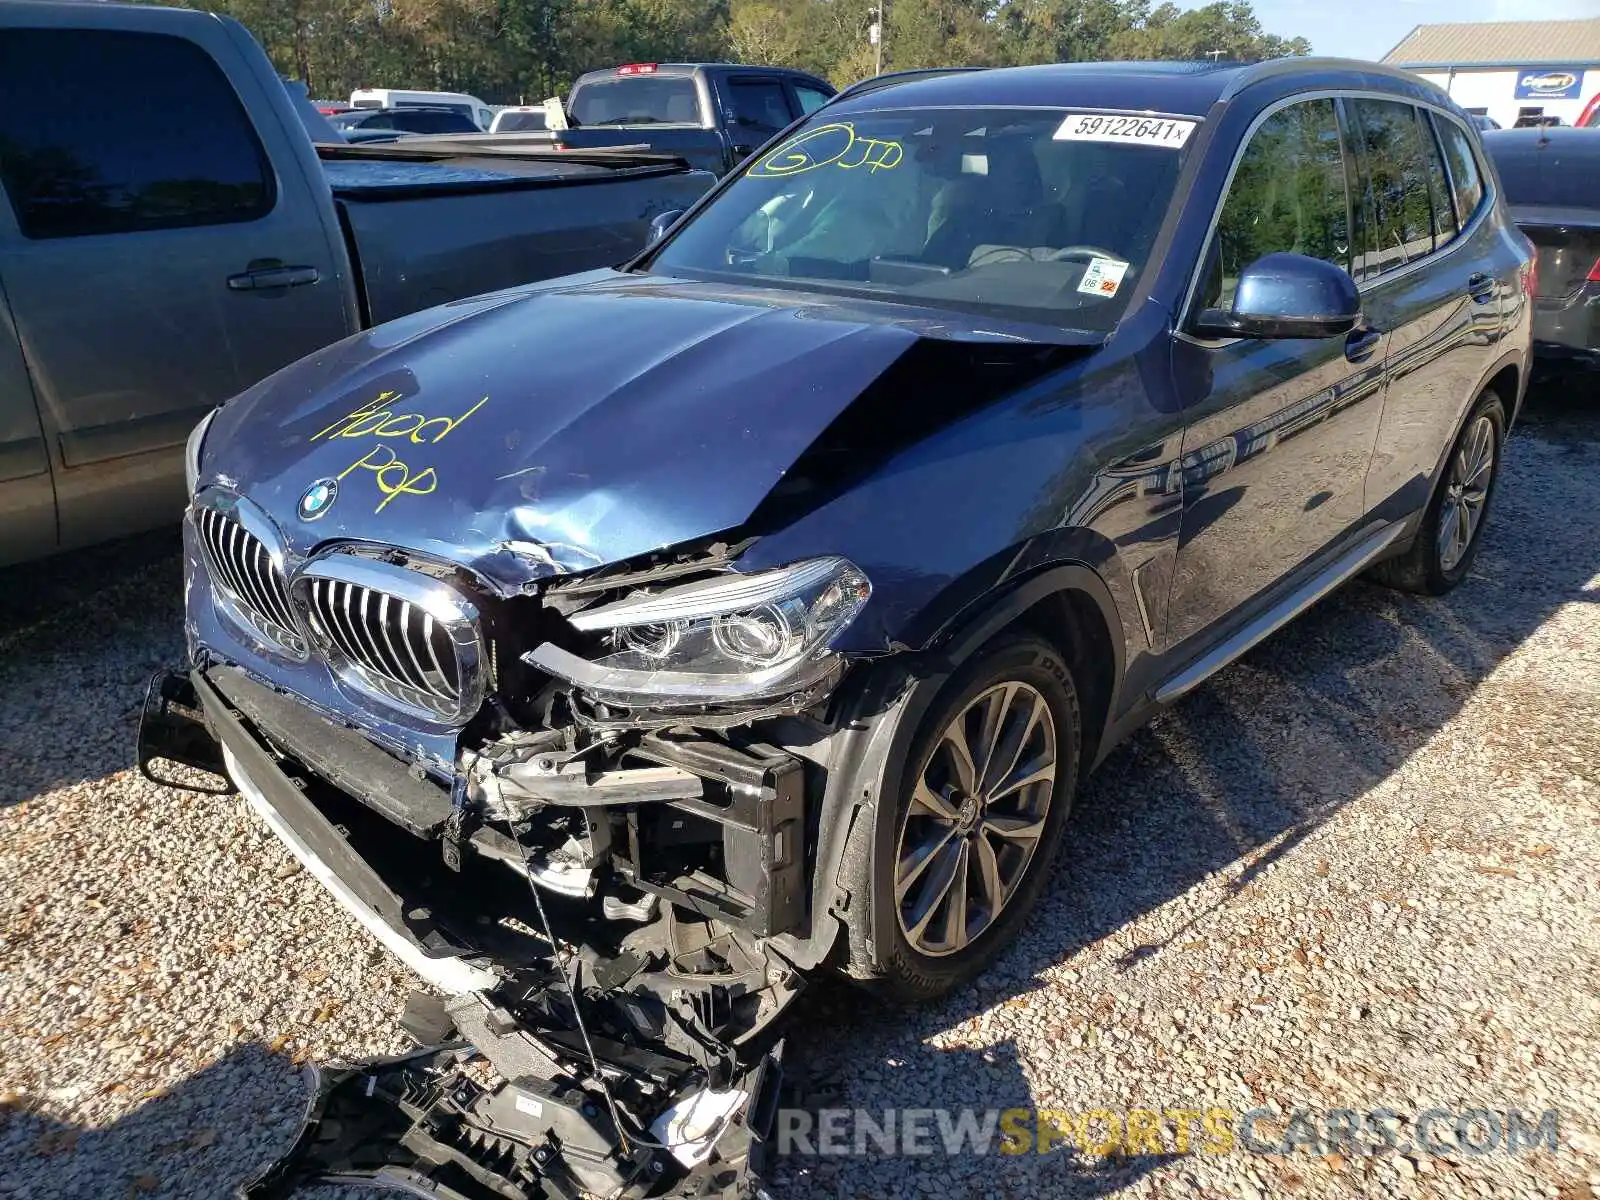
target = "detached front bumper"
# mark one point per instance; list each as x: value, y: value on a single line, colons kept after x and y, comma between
x: 510, y: 1100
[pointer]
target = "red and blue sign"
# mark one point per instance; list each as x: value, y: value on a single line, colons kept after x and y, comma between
x: 1549, y: 83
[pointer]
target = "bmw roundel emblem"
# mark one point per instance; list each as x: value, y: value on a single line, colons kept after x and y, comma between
x: 317, y: 499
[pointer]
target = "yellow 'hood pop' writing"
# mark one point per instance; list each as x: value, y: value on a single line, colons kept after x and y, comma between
x: 393, y: 476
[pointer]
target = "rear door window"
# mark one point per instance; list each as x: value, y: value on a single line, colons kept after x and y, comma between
x: 758, y: 104
x: 1288, y: 194
x: 176, y: 148
x: 1395, y: 216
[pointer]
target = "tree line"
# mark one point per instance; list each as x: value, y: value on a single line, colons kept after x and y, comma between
x: 520, y: 51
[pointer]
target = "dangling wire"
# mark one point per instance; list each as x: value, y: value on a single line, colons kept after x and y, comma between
x: 577, y: 1011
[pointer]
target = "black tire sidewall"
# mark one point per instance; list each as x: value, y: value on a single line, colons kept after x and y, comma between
x: 902, y: 971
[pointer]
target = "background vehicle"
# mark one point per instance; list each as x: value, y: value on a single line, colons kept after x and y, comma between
x: 712, y: 644
x: 712, y: 115
x: 1552, y: 182
x: 475, y: 110
x: 520, y: 118
x: 404, y: 120
x: 160, y: 254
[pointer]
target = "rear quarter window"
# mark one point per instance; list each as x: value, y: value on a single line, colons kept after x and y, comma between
x: 174, y: 149
x: 1466, y: 179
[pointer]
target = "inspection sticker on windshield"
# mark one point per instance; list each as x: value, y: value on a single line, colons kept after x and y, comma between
x: 1110, y: 127
x: 1103, y: 277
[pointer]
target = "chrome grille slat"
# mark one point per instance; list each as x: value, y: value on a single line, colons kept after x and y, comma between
x: 250, y: 581
x: 406, y: 612
x: 381, y: 639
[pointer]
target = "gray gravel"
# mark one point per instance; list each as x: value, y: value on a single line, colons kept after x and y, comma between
x: 1356, y: 870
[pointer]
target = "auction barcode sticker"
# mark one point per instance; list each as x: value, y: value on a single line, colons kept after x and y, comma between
x: 1113, y: 127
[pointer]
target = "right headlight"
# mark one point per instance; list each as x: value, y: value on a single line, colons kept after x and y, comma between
x: 728, y: 639
x: 192, y: 449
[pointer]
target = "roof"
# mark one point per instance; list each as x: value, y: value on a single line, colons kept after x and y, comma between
x: 1500, y: 43
x: 1178, y: 88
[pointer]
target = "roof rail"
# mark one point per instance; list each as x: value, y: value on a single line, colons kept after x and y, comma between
x: 875, y: 83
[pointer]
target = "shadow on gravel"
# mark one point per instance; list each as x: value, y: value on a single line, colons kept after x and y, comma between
x: 201, y: 1138
x: 1246, y: 767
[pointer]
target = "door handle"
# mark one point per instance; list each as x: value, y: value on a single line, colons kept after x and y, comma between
x: 1480, y: 287
x: 1360, y: 344
x: 263, y: 279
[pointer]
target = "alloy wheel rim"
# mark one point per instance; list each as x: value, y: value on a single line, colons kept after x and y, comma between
x: 1466, y: 493
x: 976, y: 816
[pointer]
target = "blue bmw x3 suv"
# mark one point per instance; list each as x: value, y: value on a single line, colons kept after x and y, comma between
x: 758, y: 606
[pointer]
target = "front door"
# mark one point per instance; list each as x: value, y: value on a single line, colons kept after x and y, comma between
x: 144, y: 218
x: 1281, y: 431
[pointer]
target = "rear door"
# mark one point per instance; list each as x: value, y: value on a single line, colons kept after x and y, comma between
x: 155, y: 261
x: 1432, y: 266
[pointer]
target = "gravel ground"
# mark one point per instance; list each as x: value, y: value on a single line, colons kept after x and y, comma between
x: 1357, y: 870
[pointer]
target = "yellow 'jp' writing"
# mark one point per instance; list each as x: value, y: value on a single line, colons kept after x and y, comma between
x: 835, y: 145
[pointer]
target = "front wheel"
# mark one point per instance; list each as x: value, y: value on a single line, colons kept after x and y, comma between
x: 1447, y: 542
x: 993, y: 769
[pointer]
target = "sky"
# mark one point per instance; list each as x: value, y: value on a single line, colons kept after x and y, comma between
x: 1371, y: 28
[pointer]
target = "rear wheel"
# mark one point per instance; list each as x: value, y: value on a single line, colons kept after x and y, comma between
x: 993, y: 769
x: 1447, y: 543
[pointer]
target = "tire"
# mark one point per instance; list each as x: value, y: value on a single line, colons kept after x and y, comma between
x: 1435, y: 563
x: 1026, y: 678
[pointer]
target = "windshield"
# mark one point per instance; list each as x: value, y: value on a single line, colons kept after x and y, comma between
x: 636, y: 100
x: 1027, y: 212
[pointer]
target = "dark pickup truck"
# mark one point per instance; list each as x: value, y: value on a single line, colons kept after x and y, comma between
x: 714, y: 115
x: 170, y: 235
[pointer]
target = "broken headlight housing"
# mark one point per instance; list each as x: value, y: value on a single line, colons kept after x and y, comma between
x: 731, y: 638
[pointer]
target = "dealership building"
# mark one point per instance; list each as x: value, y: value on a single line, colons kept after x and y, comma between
x: 1509, y: 69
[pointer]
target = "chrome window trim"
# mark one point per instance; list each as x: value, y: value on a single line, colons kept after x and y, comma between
x: 240, y: 609
x: 442, y: 605
x: 1185, y: 310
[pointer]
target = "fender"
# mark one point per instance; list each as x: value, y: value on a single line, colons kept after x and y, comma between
x: 876, y: 716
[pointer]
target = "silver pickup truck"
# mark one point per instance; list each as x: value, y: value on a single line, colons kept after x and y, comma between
x: 170, y: 234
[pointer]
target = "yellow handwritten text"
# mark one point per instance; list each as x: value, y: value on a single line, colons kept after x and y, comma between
x: 834, y: 145
x: 377, y: 419
x: 392, y: 476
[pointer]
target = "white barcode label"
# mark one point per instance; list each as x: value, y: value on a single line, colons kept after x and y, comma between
x: 1110, y: 127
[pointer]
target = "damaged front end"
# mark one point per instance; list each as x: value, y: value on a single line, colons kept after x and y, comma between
x: 613, y: 880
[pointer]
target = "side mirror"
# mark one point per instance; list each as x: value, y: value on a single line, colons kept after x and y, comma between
x: 660, y: 223
x: 1286, y: 296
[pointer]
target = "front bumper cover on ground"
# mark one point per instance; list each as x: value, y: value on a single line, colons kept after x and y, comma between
x: 513, y: 1096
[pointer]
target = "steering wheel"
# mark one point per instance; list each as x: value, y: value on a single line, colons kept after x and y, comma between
x: 1081, y: 252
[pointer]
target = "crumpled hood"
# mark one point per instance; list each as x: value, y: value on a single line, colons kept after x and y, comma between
x: 572, y: 425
